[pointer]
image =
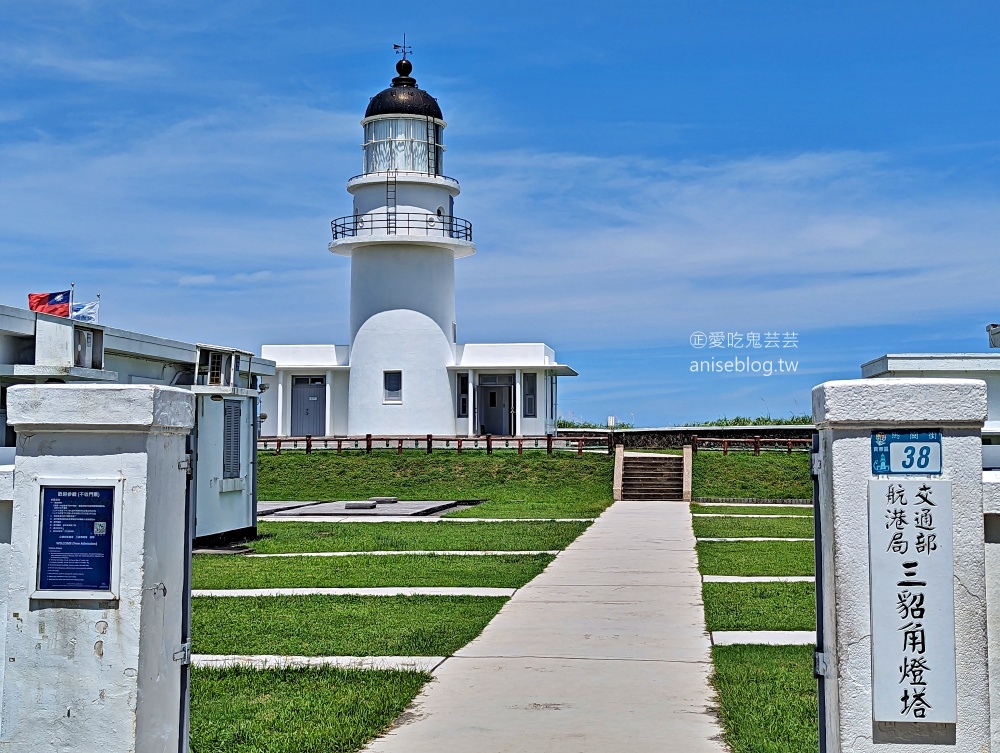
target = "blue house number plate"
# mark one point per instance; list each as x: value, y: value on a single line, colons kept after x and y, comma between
x: 906, y: 452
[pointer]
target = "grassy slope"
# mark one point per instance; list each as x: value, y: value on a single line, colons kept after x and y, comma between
x: 760, y: 606
x: 756, y: 557
x: 297, y: 536
x: 770, y: 475
x: 215, y: 572
x: 323, y: 710
x: 339, y: 625
x: 767, y: 698
x: 780, y: 526
x: 533, y: 477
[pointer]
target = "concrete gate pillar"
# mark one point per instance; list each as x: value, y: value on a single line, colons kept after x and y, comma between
x: 901, y: 588
x: 96, y: 595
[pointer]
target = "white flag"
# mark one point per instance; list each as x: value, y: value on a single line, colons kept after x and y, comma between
x: 86, y: 312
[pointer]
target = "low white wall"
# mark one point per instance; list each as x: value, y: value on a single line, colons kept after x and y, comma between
x: 846, y: 413
x: 412, y: 343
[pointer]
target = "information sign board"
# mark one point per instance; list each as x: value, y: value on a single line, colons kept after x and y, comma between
x: 912, y: 600
x: 902, y: 452
x: 75, y: 544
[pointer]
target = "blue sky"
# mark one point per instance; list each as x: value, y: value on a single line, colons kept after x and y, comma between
x: 635, y: 172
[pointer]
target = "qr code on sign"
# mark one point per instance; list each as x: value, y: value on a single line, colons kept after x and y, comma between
x: 100, y: 527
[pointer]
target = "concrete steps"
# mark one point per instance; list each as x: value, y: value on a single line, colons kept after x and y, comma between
x: 654, y: 477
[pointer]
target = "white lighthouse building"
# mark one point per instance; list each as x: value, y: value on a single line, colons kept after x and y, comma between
x: 404, y: 371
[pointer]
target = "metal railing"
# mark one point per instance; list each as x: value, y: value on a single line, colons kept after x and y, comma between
x: 431, y: 443
x: 750, y: 444
x: 401, y: 223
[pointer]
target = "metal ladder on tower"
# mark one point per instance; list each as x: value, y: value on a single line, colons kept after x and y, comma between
x: 431, y: 146
x: 390, y: 203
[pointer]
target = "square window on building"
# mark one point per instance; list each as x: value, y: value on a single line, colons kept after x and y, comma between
x: 392, y: 386
x: 530, y: 387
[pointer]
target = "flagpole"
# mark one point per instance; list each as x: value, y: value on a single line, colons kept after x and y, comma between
x: 97, y: 318
x: 72, y: 290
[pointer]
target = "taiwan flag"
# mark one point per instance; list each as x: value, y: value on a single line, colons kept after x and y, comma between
x: 56, y: 304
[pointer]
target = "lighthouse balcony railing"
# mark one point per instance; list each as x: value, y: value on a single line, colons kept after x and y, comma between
x: 402, y: 174
x: 401, y: 223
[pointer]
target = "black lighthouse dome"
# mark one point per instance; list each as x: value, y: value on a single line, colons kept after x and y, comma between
x: 403, y: 97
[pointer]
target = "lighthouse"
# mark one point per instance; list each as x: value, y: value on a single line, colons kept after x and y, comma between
x: 403, y: 239
x: 404, y: 373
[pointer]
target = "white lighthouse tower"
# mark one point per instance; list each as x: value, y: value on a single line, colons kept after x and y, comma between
x: 404, y: 372
x: 403, y: 239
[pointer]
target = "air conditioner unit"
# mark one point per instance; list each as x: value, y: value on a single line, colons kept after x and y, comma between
x: 84, y: 348
x: 994, y: 332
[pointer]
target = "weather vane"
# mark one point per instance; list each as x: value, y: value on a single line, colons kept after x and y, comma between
x: 403, y: 49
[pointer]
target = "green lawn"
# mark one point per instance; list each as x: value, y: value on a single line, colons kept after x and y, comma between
x: 770, y: 475
x: 780, y: 526
x: 321, y: 710
x: 760, y: 606
x: 756, y: 557
x: 560, y: 479
x: 491, y: 571
x: 299, y: 536
x: 751, y: 510
x: 767, y: 698
x: 339, y: 625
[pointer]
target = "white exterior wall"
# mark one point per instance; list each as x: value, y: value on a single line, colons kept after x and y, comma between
x: 129, y: 358
x: 845, y: 413
x: 341, y: 400
x: 99, y: 675
x: 399, y: 277
x: 223, y: 504
x: 991, y: 508
x: 536, y: 425
x: 500, y: 355
x: 992, y: 379
x: 53, y: 343
x: 269, y: 406
x: 327, y: 361
x: 6, y: 518
x: 412, y: 343
x: 985, y: 366
x: 412, y: 195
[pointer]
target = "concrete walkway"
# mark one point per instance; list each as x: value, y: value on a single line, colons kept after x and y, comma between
x: 604, y: 651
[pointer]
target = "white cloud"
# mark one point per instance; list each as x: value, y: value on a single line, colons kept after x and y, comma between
x: 63, y: 64
x: 194, y: 280
x: 598, y: 251
x: 577, y: 250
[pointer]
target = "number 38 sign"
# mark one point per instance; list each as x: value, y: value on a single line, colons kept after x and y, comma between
x: 906, y: 452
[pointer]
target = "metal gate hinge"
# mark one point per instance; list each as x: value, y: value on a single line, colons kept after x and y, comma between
x: 819, y: 664
x: 183, y: 654
x: 185, y: 464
